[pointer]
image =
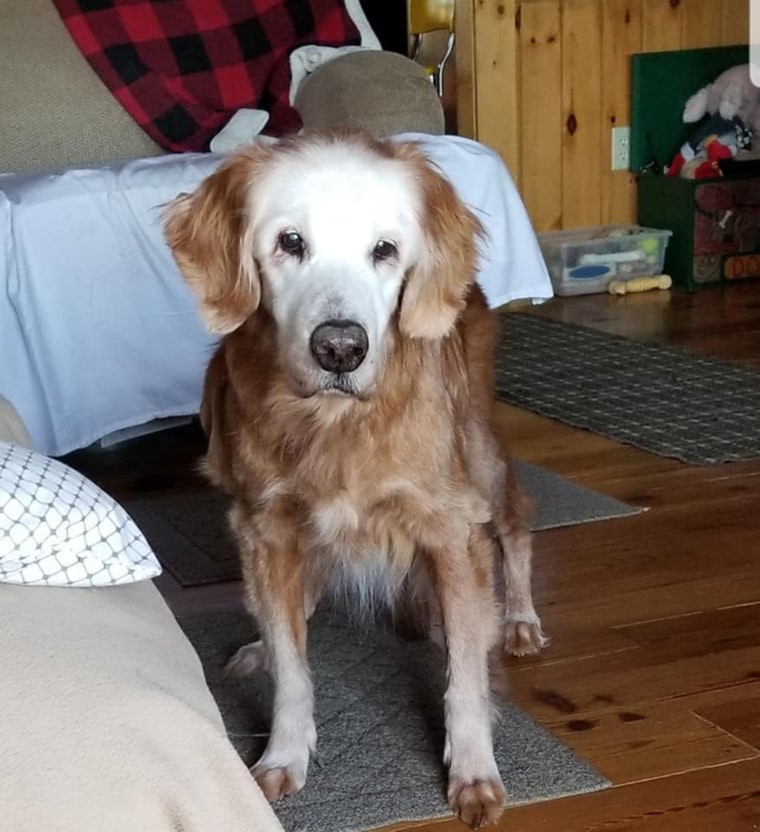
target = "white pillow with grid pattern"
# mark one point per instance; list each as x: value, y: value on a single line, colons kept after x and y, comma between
x: 59, y: 529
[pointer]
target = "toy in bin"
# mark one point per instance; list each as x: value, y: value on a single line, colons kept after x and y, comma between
x: 711, y: 143
x: 584, y: 261
x: 727, y: 117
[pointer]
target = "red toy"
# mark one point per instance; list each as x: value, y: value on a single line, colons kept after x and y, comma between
x: 717, y: 138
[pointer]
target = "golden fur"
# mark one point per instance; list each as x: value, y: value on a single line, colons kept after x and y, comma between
x: 409, y: 475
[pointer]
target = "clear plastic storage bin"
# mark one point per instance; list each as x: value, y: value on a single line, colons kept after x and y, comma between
x: 584, y: 260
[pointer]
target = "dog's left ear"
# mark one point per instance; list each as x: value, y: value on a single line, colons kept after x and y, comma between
x: 436, y: 288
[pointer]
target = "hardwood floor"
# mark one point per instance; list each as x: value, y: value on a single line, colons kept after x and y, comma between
x: 653, y: 673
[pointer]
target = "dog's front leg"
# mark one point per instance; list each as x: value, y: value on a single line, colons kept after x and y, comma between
x: 522, y: 627
x: 272, y: 571
x: 462, y: 580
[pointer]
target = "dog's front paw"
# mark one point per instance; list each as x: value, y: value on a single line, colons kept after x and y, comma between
x: 249, y: 658
x: 524, y: 635
x: 279, y: 782
x: 478, y: 802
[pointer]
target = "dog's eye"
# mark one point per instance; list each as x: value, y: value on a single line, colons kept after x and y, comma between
x: 291, y: 242
x: 384, y: 250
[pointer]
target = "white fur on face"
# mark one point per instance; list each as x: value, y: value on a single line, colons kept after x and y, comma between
x: 342, y: 200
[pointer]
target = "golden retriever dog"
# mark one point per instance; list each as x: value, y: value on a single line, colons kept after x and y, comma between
x: 348, y: 409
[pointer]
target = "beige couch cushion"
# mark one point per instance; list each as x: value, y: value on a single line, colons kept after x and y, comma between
x: 107, y: 724
x: 54, y: 110
x: 12, y: 428
x: 382, y: 92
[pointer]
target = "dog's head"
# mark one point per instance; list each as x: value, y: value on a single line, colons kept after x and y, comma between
x: 344, y: 240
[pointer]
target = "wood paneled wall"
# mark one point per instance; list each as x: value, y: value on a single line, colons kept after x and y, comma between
x: 544, y: 81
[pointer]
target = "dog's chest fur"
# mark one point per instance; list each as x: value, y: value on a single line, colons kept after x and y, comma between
x: 362, y: 523
x: 365, y: 537
x: 362, y: 503
x: 368, y: 494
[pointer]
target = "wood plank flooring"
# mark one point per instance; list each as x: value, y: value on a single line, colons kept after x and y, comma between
x: 653, y: 673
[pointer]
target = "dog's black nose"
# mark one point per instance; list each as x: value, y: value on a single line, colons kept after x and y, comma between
x: 339, y: 346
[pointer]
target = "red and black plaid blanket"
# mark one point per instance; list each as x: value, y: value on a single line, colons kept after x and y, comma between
x: 182, y: 68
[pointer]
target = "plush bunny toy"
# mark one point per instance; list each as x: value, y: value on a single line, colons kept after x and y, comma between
x: 731, y: 95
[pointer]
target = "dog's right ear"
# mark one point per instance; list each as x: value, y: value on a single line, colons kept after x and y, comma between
x: 209, y: 233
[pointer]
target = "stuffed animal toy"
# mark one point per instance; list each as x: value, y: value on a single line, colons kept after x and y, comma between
x: 716, y: 139
x: 731, y: 95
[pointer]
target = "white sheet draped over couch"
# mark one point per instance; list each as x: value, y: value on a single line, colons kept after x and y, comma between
x: 98, y: 332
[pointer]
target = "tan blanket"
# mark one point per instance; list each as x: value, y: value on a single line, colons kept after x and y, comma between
x: 12, y: 429
x: 106, y: 723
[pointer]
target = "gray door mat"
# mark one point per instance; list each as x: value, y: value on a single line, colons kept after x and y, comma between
x: 664, y: 400
x: 189, y: 534
x: 379, y: 712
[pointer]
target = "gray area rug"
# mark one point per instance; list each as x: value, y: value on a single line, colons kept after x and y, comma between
x: 559, y: 501
x: 379, y: 716
x: 664, y: 400
x: 188, y: 532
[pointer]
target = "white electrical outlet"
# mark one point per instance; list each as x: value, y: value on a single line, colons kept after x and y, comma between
x: 621, y: 148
